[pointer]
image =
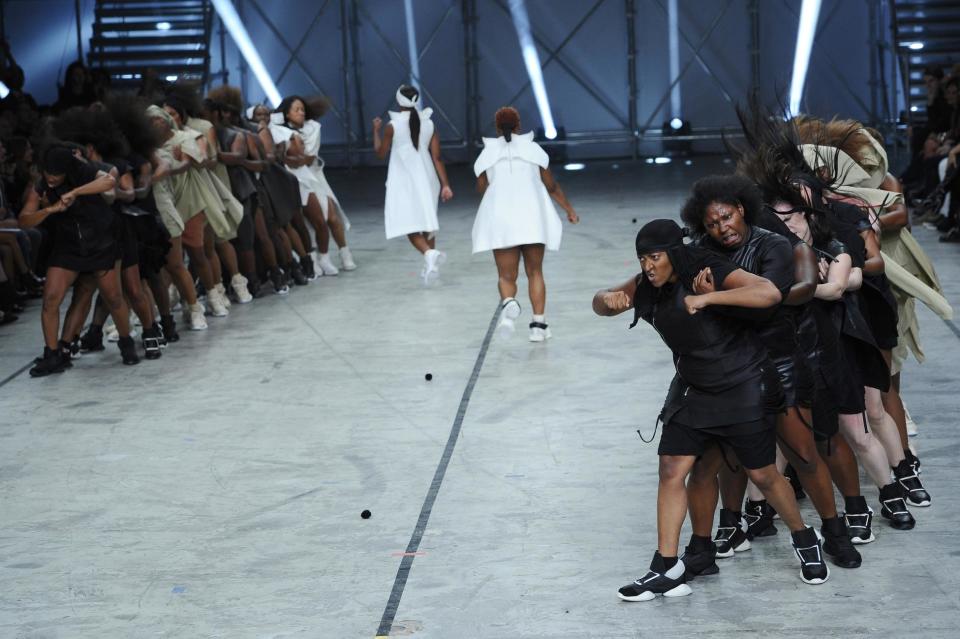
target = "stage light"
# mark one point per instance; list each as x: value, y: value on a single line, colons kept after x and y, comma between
x: 915, y: 46
x: 914, y: 108
x: 662, y: 160
x: 4, y: 91
x: 649, y: 160
x: 673, y: 46
x: 531, y: 60
x: 412, y: 44
x: 171, y: 78
x: 575, y: 166
x: 233, y: 23
x: 164, y: 26
x: 806, y: 30
x: 676, y: 124
x: 688, y: 162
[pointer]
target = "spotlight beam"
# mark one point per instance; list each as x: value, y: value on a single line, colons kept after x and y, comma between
x: 673, y: 31
x: 531, y: 59
x: 806, y: 30
x: 412, y: 44
x: 233, y: 23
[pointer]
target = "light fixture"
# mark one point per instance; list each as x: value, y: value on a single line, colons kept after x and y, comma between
x: 575, y: 166
x: 662, y: 159
x: 412, y: 45
x: 171, y: 78
x: 676, y: 124
x: 806, y: 30
x: 915, y: 46
x: 4, y: 91
x: 233, y: 23
x: 688, y: 162
x: 649, y: 160
x: 914, y: 108
x: 164, y: 26
x: 531, y: 59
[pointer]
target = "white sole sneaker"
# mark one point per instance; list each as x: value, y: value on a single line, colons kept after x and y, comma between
x: 540, y: 334
x: 679, y: 591
x: 505, y: 328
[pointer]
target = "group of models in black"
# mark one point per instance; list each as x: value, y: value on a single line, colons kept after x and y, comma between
x: 781, y: 324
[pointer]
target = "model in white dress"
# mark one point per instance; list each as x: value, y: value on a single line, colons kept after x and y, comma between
x: 416, y: 178
x: 294, y: 127
x: 516, y: 217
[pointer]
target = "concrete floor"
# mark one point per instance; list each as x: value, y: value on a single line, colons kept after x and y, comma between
x: 217, y: 492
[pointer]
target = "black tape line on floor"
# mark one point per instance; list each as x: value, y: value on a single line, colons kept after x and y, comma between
x: 406, y: 563
x: 10, y: 378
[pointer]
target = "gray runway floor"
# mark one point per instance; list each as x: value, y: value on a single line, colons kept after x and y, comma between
x: 217, y: 492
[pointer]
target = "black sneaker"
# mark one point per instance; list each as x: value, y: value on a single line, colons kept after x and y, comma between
x: 65, y: 354
x: 658, y: 581
x: 894, y: 507
x: 813, y: 569
x: 151, y: 342
x: 914, y: 461
x: 759, y: 518
x: 279, y: 280
x: 128, y: 351
x: 51, y: 362
x: 913, y: 489
x: 699, y: 559
x: 730, y: 537
x: 92, y: 340
x: 169, y: 327
x: 306, y: 264
x: 837, y: 543
x: 296, y: 272
x: 860, y: 521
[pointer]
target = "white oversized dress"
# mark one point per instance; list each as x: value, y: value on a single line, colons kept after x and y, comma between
x: 516, y: 208
x: 311, y: 178
x: 413, y: 188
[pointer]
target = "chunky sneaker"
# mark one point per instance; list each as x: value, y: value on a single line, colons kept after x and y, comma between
x: 759, y: 518
x: 894, y: 508
x: 432, y: 261
x: 326, y: 265
x: 51, y: 362
x: 92, y: 340
x: 730, y: 537
x: 296, y: 272
x: 346, y: 259
x: 279, y: 279
x: 511, y: 311
x: 222, y: 294
x: 215, y: 304
x: 860, y: 523
x: 65, y: 354
x: 169, y: 327
x: 309, y: 268
x: 151, y: 342
x: 699, y: 558
x: 193, y: 316
x: 128, y: 350
x: 239, y: 285
x: 914, y: 461
x: 658, y: 581
x: 837, y: 543
x: 913, y: 489
x: 539, y: 332
x: 813, y: 569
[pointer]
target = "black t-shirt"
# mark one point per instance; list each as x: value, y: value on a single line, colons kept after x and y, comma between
x: 88, y: 224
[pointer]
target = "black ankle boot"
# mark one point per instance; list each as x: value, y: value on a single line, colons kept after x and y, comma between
x: 914, y: 461
x: 50, y: 362
x: 730, y: 537
x: 169, y: 327
x: 128, y: 350
x: 306, y: 263
x: 296, y: 272
x: 894, y: 508
x: 759, y: 517
x: 813, y: 569
x: 913, y: 490
x: 151, y: 342
x: 699, y: 557
x: 92, y: 340
x: 64, y: 348
x: 859, y: 520
x: 279, y: 280
x: 837, y: 544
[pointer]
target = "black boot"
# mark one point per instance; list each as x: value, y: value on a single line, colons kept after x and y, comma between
x: 894, y: 507
x: 151, y: 342
x: 659, y: 580
x: 92, y: 340
x: 306, y: 263
x: 128, y: 350
x: 254, y: 287
x: 859, y: 520
x: 914, y: 461
x: 296, y: 272
x: 699, y: 557
x: 813, y: 569
x: 169, y: 327
x: 50, y: 362
x: 759, y: 517
x: 65, y: 354
x: 837, y: 544
x: 279, y: 280
x: 730, y: 536
x: 913, y: 489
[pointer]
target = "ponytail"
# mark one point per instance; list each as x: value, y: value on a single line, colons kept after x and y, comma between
x: 507, y: 120
x: 412, y: 95
x: 415, y: 128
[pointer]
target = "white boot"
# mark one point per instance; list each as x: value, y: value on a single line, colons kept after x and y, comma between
x: 510, y: 312
x: 539, y: 332
x: 239, y: 285
x: 222, y: 294
x: 432, y: 260
x: 326, y: 266
x: 346, y: 259
x: 215, y: 305
x: 193, y: 317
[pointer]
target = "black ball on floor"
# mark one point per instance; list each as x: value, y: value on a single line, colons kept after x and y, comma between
x: 428, y: 376
x: 365, y: 514
x: 634, y: 220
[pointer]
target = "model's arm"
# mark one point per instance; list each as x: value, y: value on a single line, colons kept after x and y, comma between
x: 126, y: 189
x: 804, y: 274
x: 446, y: 193
x: 268, y: 146
x: 739, y: 288
x: 874, y: 263
x: 482, y: 183
x: 253, y: 161
x: 613, y: 301
x: 894, y: 217
x: 144, y: 181
x: 836, y: 278
x: 237, y: 153
x: 33, y: 214
x: 381, y: 146
x: 210, y: 147
x: 553, y: 188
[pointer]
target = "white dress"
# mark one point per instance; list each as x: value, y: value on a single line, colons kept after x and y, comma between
x: 413, y: 188
x: 516, y: 208
x: 311, y: 178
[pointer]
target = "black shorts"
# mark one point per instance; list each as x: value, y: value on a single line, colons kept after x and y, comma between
x: 754, y: 443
